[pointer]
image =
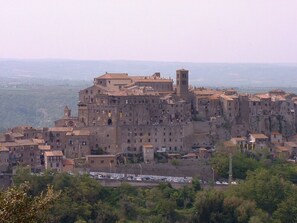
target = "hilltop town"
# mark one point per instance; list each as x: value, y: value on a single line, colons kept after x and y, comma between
x: 146, y: 119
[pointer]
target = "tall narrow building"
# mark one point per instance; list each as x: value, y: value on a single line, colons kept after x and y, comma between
x: 182, y: 83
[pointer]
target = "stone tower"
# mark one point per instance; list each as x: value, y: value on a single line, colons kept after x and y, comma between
x: 182, y: 82
x: 67, y: 112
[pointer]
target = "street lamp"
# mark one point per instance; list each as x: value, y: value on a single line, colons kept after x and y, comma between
x: 213, y: 175
x: 140, y: 168
x: 230, y: 169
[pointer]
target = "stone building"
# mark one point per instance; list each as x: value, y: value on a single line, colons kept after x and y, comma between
x: 22, y: 152
x: 122, y: 113
x: 101, y: 162
x: 259, y: 141
x: 4, y: 159
x: 53, y: 160
x: 148, y: 153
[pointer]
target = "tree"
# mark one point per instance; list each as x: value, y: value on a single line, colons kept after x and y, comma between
x: 216, y: 207
x: 208, y: 207
x: 287, y: 209
x: 16, y: 206
x: 242, y: 163
x: 196, y: 184
x: 265, y: 188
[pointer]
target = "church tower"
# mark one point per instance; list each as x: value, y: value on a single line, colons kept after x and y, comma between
x: 182, y: 82
x: 67, y: 112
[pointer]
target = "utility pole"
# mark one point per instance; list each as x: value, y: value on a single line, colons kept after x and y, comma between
x: 140, y: 168
x: 230, y: 168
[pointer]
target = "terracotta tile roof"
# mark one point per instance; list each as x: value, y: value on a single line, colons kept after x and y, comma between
x: 282, y: 149
x: 229, y: 144
x: 263, y: 96
x: 53, y: 153
x: 44, y: 147
x: 24, y: 127
x: 254, y: 99
x: 259, y: 136
x: 148, y: 146
x: 20, y: 142
x: 39, y: 141
x: 100, y: 156
x: 16, y: 135
x: 239, y: 139
x: 82, y: 132
x: 60, y: 129
x: 114, y: 76
x: 228, y: 97
x: 152, y: 80
x: 291, y: 144
x: 190, y: 155
x: 3, y: 149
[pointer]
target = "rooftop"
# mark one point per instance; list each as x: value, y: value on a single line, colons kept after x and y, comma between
x: 282, y: 149
x: 82, y: 132
x: 114, y: 76
x: 100, y: 156
x: 53, y: 153
x: 259, y: 136
x: 60, y: 129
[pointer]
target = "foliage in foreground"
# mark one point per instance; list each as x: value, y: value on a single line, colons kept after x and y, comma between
x: 16, y: 206
x: 265, y: 196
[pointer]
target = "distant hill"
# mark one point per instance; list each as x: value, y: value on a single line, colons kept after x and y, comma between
x: 37, y: 106
x: 201, y: 74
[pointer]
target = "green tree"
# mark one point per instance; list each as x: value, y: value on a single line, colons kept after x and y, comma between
x: 266, y: 189
x: 242, y: 163
x: 196, y: 184
x: 287, y: 209
x: 16, y: 206
x: 208, y: 207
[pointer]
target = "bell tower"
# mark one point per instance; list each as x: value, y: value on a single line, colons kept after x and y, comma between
x: 67, y: 112
x: 182, y: 82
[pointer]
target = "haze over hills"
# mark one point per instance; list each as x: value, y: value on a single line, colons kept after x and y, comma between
x: 201, y: 74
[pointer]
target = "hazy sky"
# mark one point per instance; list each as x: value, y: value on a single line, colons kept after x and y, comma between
x: 156, y: 30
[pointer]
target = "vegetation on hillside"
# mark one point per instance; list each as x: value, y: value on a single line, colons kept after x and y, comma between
x: 266, y: 195
x: 38, y: 106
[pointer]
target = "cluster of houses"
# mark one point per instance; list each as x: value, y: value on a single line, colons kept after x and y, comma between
x: 275, y: 144
x: 124, y: 117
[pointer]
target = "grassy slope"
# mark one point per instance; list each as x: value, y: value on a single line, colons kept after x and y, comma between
x: 37, y: 106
